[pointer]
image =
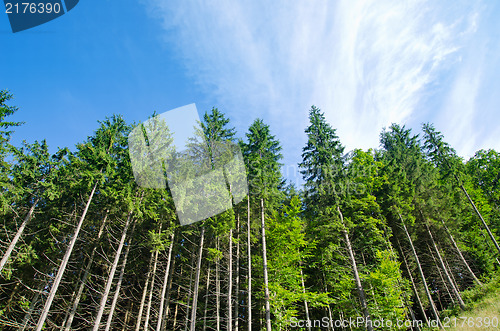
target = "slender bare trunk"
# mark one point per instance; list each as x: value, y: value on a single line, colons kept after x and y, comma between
x: 111, y: 275
x: 68, y: 311
x: 169, y: 293
x: 206, y: 300
x: 120, y: 280
x: 64, y: 262
x: 330, y: 316
x: 189, y: 304
x: 264, y: 261
x: 27, y: 317
x: 359, y: 286
x: 151, y: 291
x: 413, y: 283
x: 128, y: 312
x: 85, y: 277
x: 249, y: 253
x: 237, y: 281
x: 144, y: 294
x: 469, y: 198
x: 482, y: 219
x: 438, y: 267
x: 197, y: 281
x: 433, y: 306
x: 305, y: 301
x: 177, y: 307
x: 165, y: 284
x: 11, y: 297
x: 461, y: 255
x: 20, y: 231
x: 445, y: 270
x: 217, y: 290
x: 230, y: 284
x: 451, y: 272
x: 413, y: 318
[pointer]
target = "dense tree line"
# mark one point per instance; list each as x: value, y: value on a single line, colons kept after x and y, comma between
x: 394, y: 233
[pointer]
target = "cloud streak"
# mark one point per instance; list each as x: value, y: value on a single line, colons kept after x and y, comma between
x: 365, y: 63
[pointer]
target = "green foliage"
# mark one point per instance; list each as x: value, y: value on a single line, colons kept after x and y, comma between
x: 262, y: 154
x: 5, y: 167
x: 389, y: 289
x: 484, y: 171
x: 322, y: 163
x: 214, y: 254
x: 287, y: 249
x: 408, y: 180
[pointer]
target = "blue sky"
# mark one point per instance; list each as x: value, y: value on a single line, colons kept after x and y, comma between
x: 366, y: 64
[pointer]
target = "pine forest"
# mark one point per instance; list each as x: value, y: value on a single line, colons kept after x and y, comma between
x: 406, y: 232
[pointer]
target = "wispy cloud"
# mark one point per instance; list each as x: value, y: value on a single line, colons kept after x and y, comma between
x: 457, y: 117
x: 365, y: 63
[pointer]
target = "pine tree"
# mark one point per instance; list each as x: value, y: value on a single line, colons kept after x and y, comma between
x: 445, y: 158
x: 34, y: 172
x: 5, y: 147
x: 324, y: 171
x: 98, y: 152
x: 262, y: 153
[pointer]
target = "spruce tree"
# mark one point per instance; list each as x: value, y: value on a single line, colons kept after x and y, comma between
x: 262, y: 154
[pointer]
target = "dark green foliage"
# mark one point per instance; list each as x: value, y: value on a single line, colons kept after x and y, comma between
x: 262, y: 155
x: 411, y: 181
x: 6, y: 186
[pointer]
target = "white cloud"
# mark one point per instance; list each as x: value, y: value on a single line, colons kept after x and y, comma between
x: 459, y: 111
x: 366, y: 63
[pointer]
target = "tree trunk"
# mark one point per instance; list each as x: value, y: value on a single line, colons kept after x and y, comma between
x: 64, y: 262
x: 197, y: 281
x: 445, y: 270
x: 361, y: 292
x: 237, y: 281
x: 165, y: 284
x: 413, y: 282
x: 177, y: 306
x: 120, y: 280
x: 206, y: 301
x: 460, y: 254
x: 230, y: 284
x: 481, y: 217
x: 151, y: 291
x: 188, y: 305
x: 433, y: 306
x: 85, y: 277
x: 330, y: 316
x: 12, y: 294
x: 438, y: 267
x: 14, y: 241
x: 249, y: 253
x: 144, y: 294
x: 451, y: 273
x: 111, y: 275
x: 468, y: 197
x: 169, y: 293
x: 217, y: 290
x: 404, y: 300
x: 150, y: 299
x: 128, y: 312
x: 305, y: 301
x: 68, y: 311
x: 264, y: 262
x: 27, y: 317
